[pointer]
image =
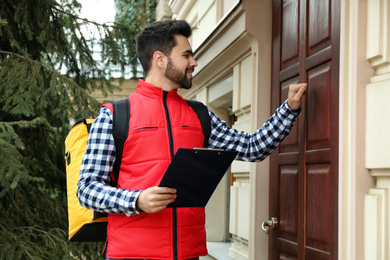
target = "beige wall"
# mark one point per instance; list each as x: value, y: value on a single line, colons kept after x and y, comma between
x: 239, y: 44
x: 163, y: 11
x: 126, y: 87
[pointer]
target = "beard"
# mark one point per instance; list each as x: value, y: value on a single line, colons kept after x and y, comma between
x: 177, y: 77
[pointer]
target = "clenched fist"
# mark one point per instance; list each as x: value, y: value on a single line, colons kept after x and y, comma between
x: 295, y: 93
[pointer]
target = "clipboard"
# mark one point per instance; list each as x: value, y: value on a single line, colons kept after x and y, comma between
x: 195, y: 173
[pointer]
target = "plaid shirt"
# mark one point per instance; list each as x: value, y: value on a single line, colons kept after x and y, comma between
x: 94, y: 190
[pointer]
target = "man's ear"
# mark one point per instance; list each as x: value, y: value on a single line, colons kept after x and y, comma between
x: 159, y: 59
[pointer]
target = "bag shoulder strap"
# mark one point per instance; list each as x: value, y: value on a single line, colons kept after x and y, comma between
x: 203, y: 114
x: 120, y: 129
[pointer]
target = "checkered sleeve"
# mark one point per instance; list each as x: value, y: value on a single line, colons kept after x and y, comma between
x: 93, y: 189
x: 258, y: 145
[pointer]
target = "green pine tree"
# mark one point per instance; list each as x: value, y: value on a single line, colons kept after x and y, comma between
x: 47, y: 72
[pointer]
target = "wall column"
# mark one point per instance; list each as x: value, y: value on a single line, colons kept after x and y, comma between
x: 240, y: 199
x: 376, y: 223
x: 163, y: 11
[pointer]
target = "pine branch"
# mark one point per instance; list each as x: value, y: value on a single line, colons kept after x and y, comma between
x: 30, y: 60
x: 3, y: 22
x: 55, y: 73
x: 76, y: 17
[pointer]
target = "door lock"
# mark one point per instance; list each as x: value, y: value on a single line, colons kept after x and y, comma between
x: 269, y: 224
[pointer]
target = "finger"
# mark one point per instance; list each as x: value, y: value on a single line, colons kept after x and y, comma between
x: 301, y: 90
x: 303, y: 87
x: 161, y: 203
x: 295, y: 87
x: 166, y: 197
x: 166, y: 190
x: 157, y: 194
x: 158, y: 205
x: 160, y: 190
x: 154, y: 206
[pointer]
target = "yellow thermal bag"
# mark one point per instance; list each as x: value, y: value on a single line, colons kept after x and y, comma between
x: 86, y: 225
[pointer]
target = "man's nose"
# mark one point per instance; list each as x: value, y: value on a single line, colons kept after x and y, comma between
x: 193, y: 62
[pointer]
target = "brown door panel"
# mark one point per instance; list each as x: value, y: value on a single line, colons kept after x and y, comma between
x: 304, y: 169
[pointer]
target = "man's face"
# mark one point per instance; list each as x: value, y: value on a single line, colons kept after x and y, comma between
x: 181, y: 63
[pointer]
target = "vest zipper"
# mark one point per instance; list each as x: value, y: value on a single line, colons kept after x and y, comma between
x: 172, y: 151
x: 168, y: 124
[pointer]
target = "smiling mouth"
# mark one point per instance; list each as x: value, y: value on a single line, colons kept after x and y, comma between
x: 189, y: 72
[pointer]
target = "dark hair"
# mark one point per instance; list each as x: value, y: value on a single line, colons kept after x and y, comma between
x: 159, y: 36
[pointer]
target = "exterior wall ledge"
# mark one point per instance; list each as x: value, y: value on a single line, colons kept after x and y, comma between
x: 224, y: 23
x: 379, y: 78
x: 243, y: 110
x: 380, y: 172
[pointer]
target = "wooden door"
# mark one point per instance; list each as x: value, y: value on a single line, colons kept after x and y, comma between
x: 304, y: 169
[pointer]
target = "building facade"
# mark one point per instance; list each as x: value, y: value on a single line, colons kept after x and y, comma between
x: 328, y: 183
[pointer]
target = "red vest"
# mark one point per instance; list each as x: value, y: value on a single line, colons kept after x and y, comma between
x: 160, y: 123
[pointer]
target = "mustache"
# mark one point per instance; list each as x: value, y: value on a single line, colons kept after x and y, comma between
x: 192, y: 70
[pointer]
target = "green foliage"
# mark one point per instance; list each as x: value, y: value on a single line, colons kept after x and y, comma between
x: 47, y: 72
x: 2, y: 22
x: 136, y: 14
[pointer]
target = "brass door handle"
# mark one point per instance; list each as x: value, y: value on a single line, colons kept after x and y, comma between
x: 269, y: 224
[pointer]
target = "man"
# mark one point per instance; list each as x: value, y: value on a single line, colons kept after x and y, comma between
x: 140, y: 226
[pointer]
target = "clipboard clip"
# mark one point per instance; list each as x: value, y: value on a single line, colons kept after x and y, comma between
x: 208, y: 149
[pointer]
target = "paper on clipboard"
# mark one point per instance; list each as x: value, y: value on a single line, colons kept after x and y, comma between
x: 195, y: 173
